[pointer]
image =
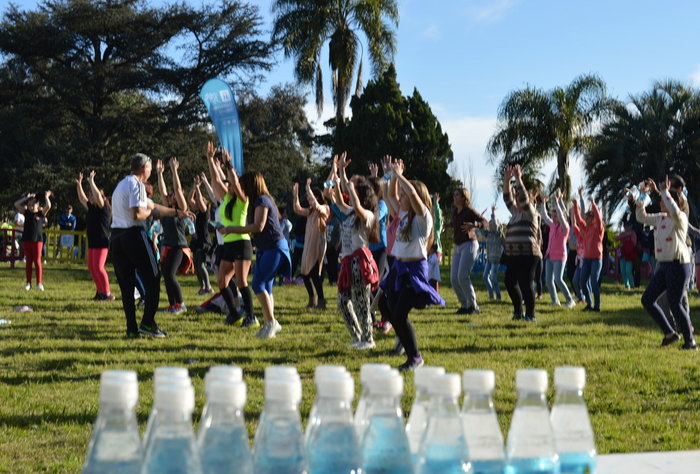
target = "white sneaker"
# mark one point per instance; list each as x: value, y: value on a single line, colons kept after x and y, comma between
x: 28, y: 286
x: 40, y: 287
x: 570, y: 304
x: 354, y: 343
x: 264, y: 329
x: 365, y: 345
x: 275, y: 327
x: 555, y: 303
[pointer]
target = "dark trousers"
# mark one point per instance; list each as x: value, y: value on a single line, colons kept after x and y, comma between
x: 397, y: 305
x: 537, y: 277
x: 314, y: 280
x: 571, y: 265
x: 131, y: 251
x: 673, y: 278
x: 520, y: 272
x: 170, y: 265
x: 332, y: 255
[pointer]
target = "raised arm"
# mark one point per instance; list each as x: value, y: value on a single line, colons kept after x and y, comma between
x: 579, y: 222
x: 162, y: 189
x: 210, y: 192
x: 199, y: 202
x: 559, y: 209
x: 417, y: 204
x: 343, y: 181
x: 232, y: 177
x: 671, y: 205
x: 100, y: 202
x: 582, y: 200
x: 323, y: 211
x: 390, y: 190
x: 21, y: 203
x: 47, y: 207
x: 79, y: 189
x: 522, y: 197
x: 302, y: 211
x: 177, y: 186
x: 543, y: 212
x: 218, y: 187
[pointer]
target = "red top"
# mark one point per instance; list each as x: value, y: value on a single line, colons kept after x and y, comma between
x: 592, y: 234
x: 368, y: 270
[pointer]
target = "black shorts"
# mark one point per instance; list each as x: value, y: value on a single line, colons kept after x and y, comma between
x: 238, y: 250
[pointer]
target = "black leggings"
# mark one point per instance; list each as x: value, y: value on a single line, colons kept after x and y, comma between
x: 397, y: 305
x: 673, y: 278
x: 537, y: 277
x: 200, y: 268
x: 519, y: 275
x: 170, y: 266
x: 314, y: 280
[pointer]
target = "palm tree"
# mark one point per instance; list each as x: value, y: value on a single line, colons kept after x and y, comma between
x: 536, y: 125
x: 656, y: 133
x: 302, y: 27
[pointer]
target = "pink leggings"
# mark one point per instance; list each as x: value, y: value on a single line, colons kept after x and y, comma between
x: 32, y: 255
x: 96, y: 265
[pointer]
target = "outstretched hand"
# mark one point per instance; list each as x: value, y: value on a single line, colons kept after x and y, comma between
x: 295, y: 189
x: 79, y: 179
x: 397, y: 167
x: 651, y: 185
x: 386, y: 163
x: 159, y: 166
x: 211, y: 150
x: 666, y: 184
x: 174, y: 164
x: 373, y: 170
x: 343, y: 162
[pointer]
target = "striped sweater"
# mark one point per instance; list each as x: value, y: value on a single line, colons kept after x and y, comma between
x: 523, y: 230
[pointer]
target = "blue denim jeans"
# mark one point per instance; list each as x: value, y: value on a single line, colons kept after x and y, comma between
x: 491, y: 279
x: 554, y: 270
x: 590, y: 273
x: 463, y: 259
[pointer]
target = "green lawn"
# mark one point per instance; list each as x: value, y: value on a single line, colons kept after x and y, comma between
x: 641, y: 397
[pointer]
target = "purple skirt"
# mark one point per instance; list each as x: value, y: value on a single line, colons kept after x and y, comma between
x: 411, y: 276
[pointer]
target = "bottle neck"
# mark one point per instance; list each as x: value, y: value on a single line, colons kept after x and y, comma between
x: 383, y: 405
x: 569, y: 396
x: 174, y: 416
x: 337, y: 407
x: 220, y: 413
x: 443, y: 405
x: 527, y: 398
x: 280, y: 408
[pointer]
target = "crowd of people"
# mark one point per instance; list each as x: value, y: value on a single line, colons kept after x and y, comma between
x: 377, y: 238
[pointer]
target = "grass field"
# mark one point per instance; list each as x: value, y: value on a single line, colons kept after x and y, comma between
x: 640, y: 397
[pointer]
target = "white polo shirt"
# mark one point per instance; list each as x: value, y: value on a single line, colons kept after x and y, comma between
x: 130, y: 192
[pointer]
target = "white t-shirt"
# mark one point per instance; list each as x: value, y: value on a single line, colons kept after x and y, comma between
x: 353, y: 239
x: 420, y: 231
x: 19, y: 219
x: 130, y: 192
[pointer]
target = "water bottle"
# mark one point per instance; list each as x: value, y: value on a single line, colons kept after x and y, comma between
x: 384, y: 448
x: 480, y: 424
x: 163, y: 376
x: 443, y: 448
x: 279, y: 440
x: 214, y: 374
x: 366, y: 372
x: 573, y: 433
x: 321, y: 372
x: 418, y: 419
x: 223, y: 437
x: 173, y: 448
x: 329, y: 184
x: 530, y: 446
x: 115, y: 445
x: 332, y: 445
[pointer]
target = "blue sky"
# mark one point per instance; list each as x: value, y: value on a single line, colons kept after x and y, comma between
x: 464, y: 56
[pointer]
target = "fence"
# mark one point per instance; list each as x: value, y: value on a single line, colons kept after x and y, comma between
x: 61, y: 246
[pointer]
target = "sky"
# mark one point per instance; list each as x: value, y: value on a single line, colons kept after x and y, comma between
x: 465, y: 56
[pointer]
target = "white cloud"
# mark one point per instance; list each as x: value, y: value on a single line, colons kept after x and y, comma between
x: 490, y: 11
x: 695, y: 76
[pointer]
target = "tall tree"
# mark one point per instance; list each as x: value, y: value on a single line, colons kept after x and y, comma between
x: 654, y: 134
x: 536, y: 125
x: 102, y: 78
x: 303, y: 27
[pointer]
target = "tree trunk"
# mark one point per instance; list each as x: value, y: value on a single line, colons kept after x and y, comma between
x: 563, y: 179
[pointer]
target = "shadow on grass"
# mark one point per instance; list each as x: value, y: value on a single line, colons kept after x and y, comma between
x: 26, y: 421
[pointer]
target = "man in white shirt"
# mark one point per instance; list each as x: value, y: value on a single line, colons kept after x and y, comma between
x: 131, y: 249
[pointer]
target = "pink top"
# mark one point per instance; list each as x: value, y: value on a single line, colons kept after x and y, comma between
x: 592, y: 234
x: 558, y: 234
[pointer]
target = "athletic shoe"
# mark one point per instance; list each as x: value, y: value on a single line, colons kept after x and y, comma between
x: 473, y: 310
x: 262, y: 333
x: 133, y: 335
x: 386, y: 327
x: 109, y: 297
x: 670, y: 339
x: 588, y: 308
x: 321, y: 304
x: 40, y: 287
x: 153, y: 331
x: 517, y: 317
x: 269, y: 329
x: 363, y: 345
x: 555, y: 303
x: 690, y: 346
x: 250, y: 322
x: 205, y: 291
x: 28, y: 286
x: 570, y: 304
x: 141, y: 303
x: 275, y: 327
x: 234, y: 320
x: 411, y: 364
x: 398, y: 348
x: 462, y: 311
x: 529, y: 319
x: 179, y: 308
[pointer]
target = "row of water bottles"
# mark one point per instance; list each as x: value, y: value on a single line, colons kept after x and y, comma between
x: 439, y: 437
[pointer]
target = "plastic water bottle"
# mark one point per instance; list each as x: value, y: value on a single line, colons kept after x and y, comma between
x: 279, y: 440
x: 384, y: 445
x: 332, y: 446
x: 366, y: 372
x: 480, y: 424
x: 214, y: 374
x: 530, y: 447
x: 443, y: 448
x: 573, y: 433
x: 321, y: 372
x: 223, y: 437
x: 115, y: 445
x: 173, y: 448
x: 163, y: 376
x: 418, y: 419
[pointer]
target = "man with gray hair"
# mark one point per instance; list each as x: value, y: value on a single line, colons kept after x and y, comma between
x: 131, y: 249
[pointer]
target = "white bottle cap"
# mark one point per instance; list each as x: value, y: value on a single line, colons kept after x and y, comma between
x: 227, y: 391
x: 169, y: 372
x: 337, y: 386
x: 120, y: 392
x: 326, y: 370
x: 126, y: 375
x: 366, y: 371
x: 532, y: 380
x: 570, y: 377
x: 283, y: 389
x: 477, y: 380
x: 446, y: 385
x: 281, y: 371
x: 386, y: 382
x: 174, y: 397
x: 424, y: 375
x: 230, y: 371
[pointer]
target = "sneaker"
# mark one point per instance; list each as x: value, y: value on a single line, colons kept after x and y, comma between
x: 386, y: 328
x: 411, y: 364
x: 169, y: 309
x: 262, y: 333
x: 269, y: 329
x: 28, y: 286
x: 275, y: 327
x: 109, y: 297
x: 570, y: 304
x: 398, y: 348
x: 690, y: 346
x: 40, y: 287
x: 321, y: 304
x: 670, y: 339
x: 363, y: 345
x: 529, y: 319
x: 462, y: 311
x: 179, y: 308
x: 234, y: 320
x: 517, y: 317
x: 153, y: 331
x: 133, y: 335
x: 588, y: 308
x: 250, y: 322
x: 141, y: 303
x: 555, y: 303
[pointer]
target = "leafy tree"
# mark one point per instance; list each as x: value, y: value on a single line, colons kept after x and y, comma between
x: 386, y: 123
x: 654, y: 134
x: 536, y: 125
x: 304, y: 26
x: 85, y: 83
